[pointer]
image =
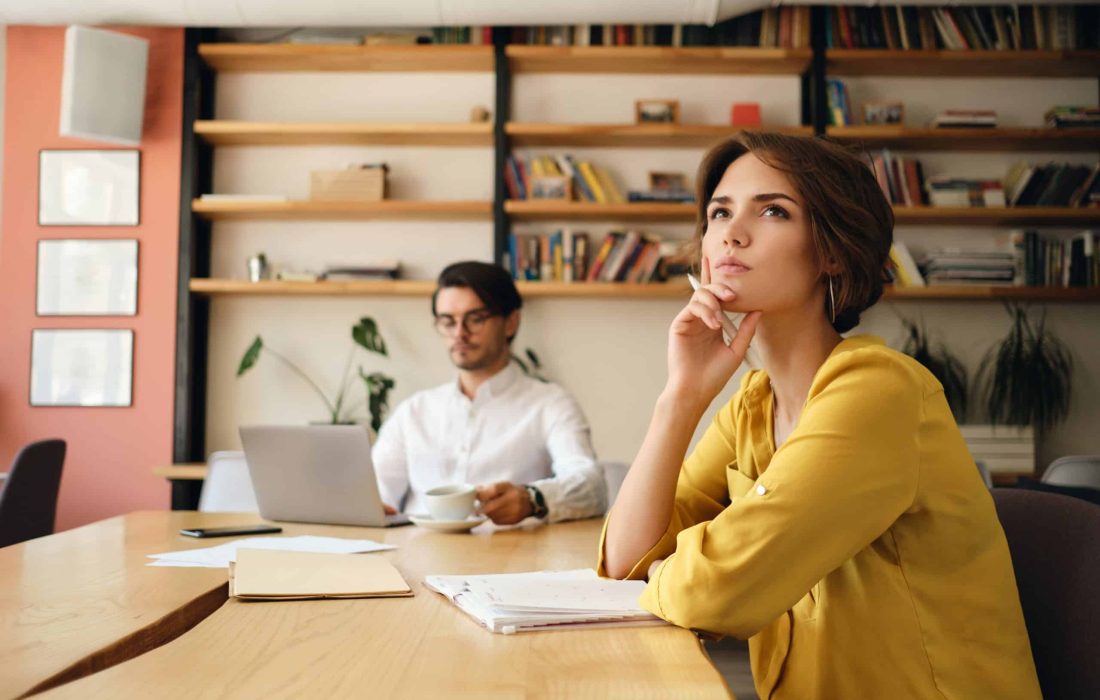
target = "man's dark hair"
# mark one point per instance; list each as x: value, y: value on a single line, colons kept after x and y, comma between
x: 491, y: 283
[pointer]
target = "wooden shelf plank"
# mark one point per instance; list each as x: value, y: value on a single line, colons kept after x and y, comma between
x: 658, y: 59
x: 677, y: 289
x: 1021, y: 64
x: 997, y: 216
x: 195, y: 471
x: 632, y: 135
x: 543, y: 210
x: 991, y: 293
x: 534, y: 210
x: 306, y: 210
x: 391, y: 288
x: 230, y: 58
x: 238, y: 133
x: 970, y: 139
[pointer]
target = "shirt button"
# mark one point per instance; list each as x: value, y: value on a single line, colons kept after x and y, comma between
x: 760, y: 489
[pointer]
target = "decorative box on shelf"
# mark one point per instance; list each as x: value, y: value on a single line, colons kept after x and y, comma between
x: 359, y: 183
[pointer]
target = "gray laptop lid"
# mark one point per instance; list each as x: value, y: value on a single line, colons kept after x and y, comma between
x: 313, y: 474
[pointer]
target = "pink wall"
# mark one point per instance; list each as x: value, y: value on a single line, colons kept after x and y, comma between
x: 110, y: 450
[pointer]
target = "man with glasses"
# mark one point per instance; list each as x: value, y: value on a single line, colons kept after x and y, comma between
x: 523, y: 442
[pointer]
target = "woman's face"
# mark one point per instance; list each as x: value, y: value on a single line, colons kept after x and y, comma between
x: 758, y: 241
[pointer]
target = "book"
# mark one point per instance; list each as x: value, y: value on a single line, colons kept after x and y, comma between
x: 908, y: 273
x: 544, y: 600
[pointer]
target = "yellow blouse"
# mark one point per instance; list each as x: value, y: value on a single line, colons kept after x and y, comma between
x: 862, y: 559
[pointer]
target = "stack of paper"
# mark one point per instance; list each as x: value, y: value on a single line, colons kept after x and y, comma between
x: 218, y: 557
x: 271, y: 574
x: 542, y: 600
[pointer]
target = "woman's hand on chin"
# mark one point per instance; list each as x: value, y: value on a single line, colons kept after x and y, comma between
x: 699, y: 361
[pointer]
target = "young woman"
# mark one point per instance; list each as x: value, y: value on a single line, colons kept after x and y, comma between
x: 831, y: 514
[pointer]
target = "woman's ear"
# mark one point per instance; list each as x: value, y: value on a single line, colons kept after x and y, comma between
x: 831, y: 268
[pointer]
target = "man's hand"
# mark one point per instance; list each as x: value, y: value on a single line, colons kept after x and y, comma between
x: 505, y: 503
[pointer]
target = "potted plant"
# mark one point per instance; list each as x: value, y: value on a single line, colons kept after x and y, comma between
x: 1025, y: 379
x: 365, y: 335
x: 941, y: 363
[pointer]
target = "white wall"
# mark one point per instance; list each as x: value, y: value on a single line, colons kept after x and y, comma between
x: 609, y: 353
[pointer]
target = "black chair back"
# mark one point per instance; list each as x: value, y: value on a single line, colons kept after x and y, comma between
x: 28, y: 501
x: 1055, y: 545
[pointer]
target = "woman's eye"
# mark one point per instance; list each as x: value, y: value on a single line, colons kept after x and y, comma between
x: 719, y: 213
x: 778, y: 211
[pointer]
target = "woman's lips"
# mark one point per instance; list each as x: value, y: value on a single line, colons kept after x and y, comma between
x: 732, y: 269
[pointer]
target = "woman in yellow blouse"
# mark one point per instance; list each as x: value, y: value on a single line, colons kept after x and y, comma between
x: 831, y: 514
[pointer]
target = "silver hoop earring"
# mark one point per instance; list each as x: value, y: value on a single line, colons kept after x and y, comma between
x: 832, y: 300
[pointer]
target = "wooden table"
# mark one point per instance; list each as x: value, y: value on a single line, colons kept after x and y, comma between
x: 79, y: 601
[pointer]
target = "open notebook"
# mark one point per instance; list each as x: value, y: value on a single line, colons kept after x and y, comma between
x: 544, y: 600
x: 269, y: 574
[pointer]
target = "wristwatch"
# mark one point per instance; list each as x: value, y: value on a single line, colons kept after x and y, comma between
x: 538, y: 501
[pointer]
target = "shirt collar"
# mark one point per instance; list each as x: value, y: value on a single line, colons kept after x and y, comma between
x: 496, y: 385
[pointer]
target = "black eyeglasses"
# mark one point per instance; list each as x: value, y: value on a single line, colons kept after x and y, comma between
x: 472, y: 321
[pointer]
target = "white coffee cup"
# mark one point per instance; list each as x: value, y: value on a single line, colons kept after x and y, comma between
x: 450, y: 502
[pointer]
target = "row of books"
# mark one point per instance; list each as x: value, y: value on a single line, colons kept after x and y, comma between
x: 569, y: 256
x: 980, y: 27
x: 1056, y: 262
x: 785, y: 27
x: 587, y: 182
x: 1052, y: 185
x: 901, y: 179
x: 1033, y: 261
x: 1070, y: 117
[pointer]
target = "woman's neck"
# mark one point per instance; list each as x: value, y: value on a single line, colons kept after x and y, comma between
x: 793, y: 346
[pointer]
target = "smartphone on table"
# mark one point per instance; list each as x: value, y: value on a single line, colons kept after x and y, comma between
x: 230, y: 530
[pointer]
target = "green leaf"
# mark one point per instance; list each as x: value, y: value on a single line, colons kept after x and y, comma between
x: 366, y: 334
x: 250, y: 356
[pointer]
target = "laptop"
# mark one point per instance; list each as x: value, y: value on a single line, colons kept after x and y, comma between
x: 315, y: 474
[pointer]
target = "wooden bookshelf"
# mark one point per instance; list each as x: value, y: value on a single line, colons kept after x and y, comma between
x: 658, y: 59
x: 996, y: 216
x: 969, y: 139
x: 959, y: 64
x: 543, y: 210
x: 387, y: 209
x: 671, y: 290
x: 632, y: 135
x: 237, y: 58
x: 241, y: 133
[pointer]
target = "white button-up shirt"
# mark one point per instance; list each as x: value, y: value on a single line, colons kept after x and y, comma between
x: 516, y: 429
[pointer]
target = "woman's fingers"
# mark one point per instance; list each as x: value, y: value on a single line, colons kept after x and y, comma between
x: 740, y: 342
x: 704, y: 314
x: 704, y: 271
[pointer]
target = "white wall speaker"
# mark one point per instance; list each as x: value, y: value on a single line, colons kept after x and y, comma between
x: 103, y: 85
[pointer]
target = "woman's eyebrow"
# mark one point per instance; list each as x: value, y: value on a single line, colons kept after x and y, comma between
x: 764, y: 197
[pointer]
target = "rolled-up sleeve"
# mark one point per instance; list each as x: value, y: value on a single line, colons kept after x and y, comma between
x: 577, y: 489
x: 842, y: 478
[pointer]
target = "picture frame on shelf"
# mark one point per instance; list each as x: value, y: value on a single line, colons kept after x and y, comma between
x: 660, y: 181
x: 81, y: 367
x: 552, y: 187
x: 883, y: 113
x: 653, y: 111
x: 87, y: 277
x: 89, y: 187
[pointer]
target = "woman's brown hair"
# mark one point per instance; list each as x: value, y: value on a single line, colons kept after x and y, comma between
x: 851, y: 223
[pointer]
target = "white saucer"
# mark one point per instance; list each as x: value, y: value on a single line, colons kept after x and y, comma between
x: 448, y: 525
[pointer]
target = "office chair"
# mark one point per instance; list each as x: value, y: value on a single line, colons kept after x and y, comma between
x: 1054, y: 540
x: 1074, y: 470
x: 228, y: 485
x: 28, y: 501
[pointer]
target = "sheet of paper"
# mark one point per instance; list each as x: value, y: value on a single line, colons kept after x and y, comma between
x: 220, y: 555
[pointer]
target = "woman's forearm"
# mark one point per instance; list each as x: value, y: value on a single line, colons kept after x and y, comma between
x: 644, y: 505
